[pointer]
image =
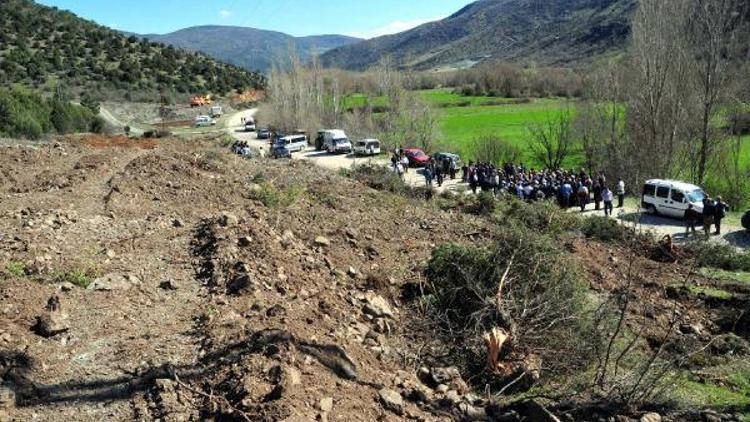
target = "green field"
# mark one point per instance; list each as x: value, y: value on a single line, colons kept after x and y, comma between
x: 463, y: 119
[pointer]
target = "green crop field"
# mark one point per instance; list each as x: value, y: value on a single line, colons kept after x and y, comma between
x: 463, y: 119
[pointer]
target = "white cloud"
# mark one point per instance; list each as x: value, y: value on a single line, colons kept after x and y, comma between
x: 223, y: 13
x: 393, y: 28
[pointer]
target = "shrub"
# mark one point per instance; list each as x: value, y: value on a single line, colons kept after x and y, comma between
x: 81, y: 277
x: 541, y: 217
x: 274, y: 197
x: 607, y: 229
x: 724, y: 257
x: 15, y: 268
x: 539, y: 301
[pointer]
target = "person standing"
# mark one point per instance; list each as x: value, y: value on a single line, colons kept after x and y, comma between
x: 428, y: 176
x: 453, y: 168
x: 720, y: 211
x: 583, y: 196
x: 709, y: 210
x: 608, y: 197
x: 620, y: 193
x: 597, y: 195
x: 439, y: 175
x: 405, y: 163
x: 692, y: 217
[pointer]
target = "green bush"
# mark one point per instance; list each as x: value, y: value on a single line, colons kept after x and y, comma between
x: 274, y: 197
x: 81, y: 277
x: 608, y: 230
x: 544, y: 217
x: 724, y: 257
x: 542, y: 301
x: 15, y: 268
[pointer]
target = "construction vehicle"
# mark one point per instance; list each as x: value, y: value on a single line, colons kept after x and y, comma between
x: 200, y: 100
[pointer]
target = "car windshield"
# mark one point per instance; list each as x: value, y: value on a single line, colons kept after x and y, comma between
x: 361, y: 143
x: 696, y: 196
x: 340, y: 141
x: 418, y: 154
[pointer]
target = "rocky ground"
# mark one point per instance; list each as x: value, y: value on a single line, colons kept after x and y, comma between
x: 148, y: 281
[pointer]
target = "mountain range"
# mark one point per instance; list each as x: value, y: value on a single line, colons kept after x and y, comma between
x: 249, y: 48
x: 558, y: 32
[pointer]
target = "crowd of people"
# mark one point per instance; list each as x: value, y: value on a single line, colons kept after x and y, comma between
x: 567, y: 187
x: 714, y: 211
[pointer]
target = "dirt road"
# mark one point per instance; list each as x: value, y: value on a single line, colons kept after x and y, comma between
x: 334, y: 162
x: 631, y: 214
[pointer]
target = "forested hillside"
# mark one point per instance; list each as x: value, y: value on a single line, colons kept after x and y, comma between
x: 41, y: 47
x: 250, y: 48
x: 557, y: 32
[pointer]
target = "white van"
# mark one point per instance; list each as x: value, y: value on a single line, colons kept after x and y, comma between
x: 294, y: 143
x: 367, y: 147
x: 216, y: 111
x: 671, y: 198
x: 335, y: 141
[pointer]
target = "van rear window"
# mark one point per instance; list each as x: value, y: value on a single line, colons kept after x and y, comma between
x: 662, y: 192
x: 649, y: 190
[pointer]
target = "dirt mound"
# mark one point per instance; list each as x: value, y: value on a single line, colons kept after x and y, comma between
x: 199, y: 285
x: 100, y: 142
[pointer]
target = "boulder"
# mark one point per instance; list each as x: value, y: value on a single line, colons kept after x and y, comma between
x: 377, y: 306
x: 651, y: 417
x: 322, y: 241
x: 169, y: 284
x: 111, y: 282
x: 7, y: 398
x: 326, y: 404
x: 244, y: 241
x: 227, y: 219
x: 391, y: 400
x: 53, y: 321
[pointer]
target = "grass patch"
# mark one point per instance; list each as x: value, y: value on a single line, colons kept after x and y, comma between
x: 81, y: 277
x: 696, y: 393
x: 741, y: 276
x: 274, y: 197
x: 710, y: 292
x: 16, y: 269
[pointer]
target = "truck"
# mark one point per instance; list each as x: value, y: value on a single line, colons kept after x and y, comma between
x: 335, y: 141
x: 215, y: 111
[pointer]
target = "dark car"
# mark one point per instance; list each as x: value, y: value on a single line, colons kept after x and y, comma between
x: 264, y: 134
x: 280, y: 151
x: 746, y: 220
x: 417, y: 157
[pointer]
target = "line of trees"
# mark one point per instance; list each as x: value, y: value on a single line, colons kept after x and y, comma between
x: 25, y: 114
x: 307, y: 97
x: 672, y: 106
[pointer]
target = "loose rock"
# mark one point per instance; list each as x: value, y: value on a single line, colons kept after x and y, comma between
x: 322, y: 241
x: 651, y: 417
x: 391, y: 400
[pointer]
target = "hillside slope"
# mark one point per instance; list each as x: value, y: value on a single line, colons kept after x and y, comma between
x: 41, y: 46
x: 250, y: 48
x: 550, y: 33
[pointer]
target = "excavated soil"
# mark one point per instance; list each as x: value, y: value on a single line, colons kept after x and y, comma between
x: 217, y: 297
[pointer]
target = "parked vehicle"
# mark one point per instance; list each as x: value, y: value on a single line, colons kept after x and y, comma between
x: 446, y: 155
x: 671, y: 198
x: 294, y: 143
x: 264, y: 134
x: 417, y: 157
x: 367, y: 147
x: 215, y: 111
x: 203, y: 121
x: 280, y: 151
x: 250, y: 125
x: 335, y: 141
x: 746, y: 220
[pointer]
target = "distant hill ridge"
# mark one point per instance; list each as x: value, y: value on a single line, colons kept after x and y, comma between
x: 547, y: 32
x: 40, y: 46
x: 250, y: 48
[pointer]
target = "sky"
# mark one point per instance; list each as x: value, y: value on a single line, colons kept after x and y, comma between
x: 360, y: 18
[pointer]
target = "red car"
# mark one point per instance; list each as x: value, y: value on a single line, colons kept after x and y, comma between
x: 417, y: 157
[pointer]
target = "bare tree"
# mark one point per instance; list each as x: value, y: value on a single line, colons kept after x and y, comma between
x: 714, y: 45
x: 655, y: 93
x: 552, y: 140
x: 491, y: 149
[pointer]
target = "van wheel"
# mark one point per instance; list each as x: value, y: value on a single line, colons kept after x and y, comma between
x: 651, y: 209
